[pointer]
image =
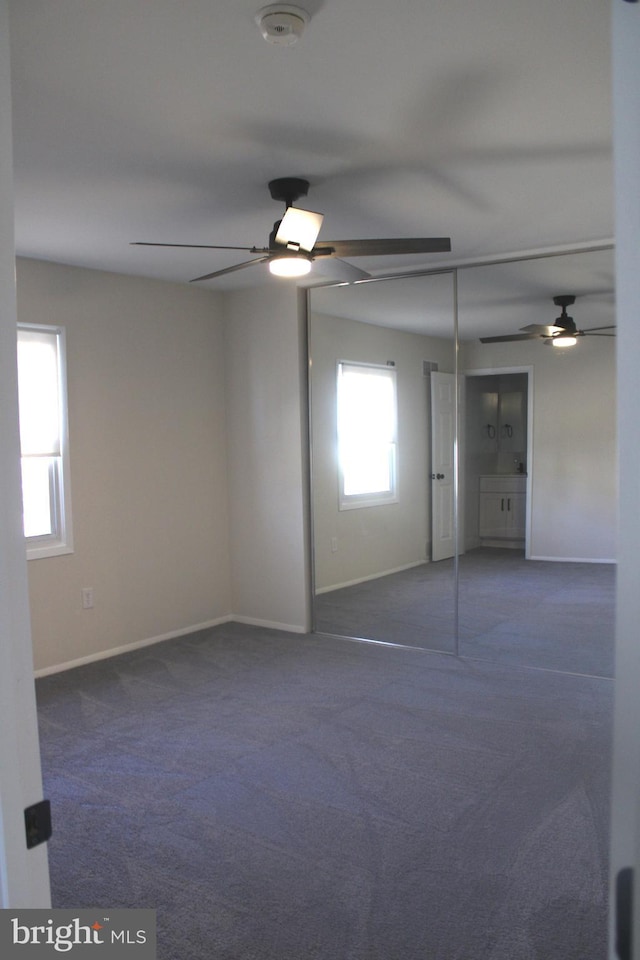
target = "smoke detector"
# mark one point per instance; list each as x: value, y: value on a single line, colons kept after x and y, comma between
x: 282, y: 23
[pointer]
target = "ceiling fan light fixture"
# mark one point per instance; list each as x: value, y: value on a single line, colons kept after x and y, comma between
x: 563, y: 341
x: 299, y: 229
x: 292, y: 245
x: 290, y: 266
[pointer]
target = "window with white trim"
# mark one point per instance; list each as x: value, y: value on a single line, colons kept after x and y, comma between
x: 367, y: 434
x: 44, y: 440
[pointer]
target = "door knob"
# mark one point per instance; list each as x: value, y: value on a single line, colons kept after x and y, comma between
x: 437, y: 476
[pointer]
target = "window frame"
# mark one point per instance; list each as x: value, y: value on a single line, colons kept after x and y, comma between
x: 60, y: 541
x: 381, y: 498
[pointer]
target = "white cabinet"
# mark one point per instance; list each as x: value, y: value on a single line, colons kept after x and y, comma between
x: 503, y: 507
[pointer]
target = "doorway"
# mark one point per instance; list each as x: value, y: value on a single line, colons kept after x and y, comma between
x: 497, y: 458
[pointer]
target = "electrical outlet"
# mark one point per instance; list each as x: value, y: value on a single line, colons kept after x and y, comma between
x: 87, y: 598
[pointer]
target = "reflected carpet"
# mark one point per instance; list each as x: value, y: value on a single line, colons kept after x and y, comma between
x: 556, y: 616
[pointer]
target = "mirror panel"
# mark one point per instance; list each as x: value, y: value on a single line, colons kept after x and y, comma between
x: 536, y: 579
x: 372, y: 571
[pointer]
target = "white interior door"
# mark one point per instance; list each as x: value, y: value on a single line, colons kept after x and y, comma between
x: 443, y: 420
x: 24, y: 873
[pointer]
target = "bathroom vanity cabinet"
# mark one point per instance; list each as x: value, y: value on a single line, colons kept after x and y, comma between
x: 503, y: 500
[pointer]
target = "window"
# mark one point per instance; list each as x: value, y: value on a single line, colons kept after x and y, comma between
x: 366, y: 434
x: 43, y: 441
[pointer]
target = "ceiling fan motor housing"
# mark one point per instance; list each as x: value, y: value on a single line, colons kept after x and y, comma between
x: 564, y: 321
x: 282, y: 23
x: 288, y: 189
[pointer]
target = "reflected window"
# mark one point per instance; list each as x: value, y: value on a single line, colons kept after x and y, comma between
x: 367, y: 442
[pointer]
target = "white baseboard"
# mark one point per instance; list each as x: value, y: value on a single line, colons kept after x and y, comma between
x: 574, y: 559
x: 269, y: 624
x: 126, y: 648
x: 503, y: 544
x: 372, y: 576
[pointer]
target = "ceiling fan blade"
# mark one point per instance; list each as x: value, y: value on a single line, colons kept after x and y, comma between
x: 514, y: 336
x: 588, y: 333
x: 611, y: 326
x: 542, y: 329
x: 299, y: 229
x: 196, y: 246
x: 332, y: 271
x: 238, y: 266
x: 381, y: 248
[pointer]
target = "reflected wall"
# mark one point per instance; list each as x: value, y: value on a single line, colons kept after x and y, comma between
x: 572, y: 486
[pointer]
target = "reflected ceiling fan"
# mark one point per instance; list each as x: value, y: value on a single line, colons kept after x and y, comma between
x: 292, y: 245
x: 561, y: 333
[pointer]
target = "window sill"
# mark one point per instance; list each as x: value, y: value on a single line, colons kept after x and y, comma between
x: 367, y: 501
x: 43, y: 550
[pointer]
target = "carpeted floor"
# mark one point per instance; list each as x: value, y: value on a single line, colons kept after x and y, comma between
x: 556, y: 616
x: 282, y: 797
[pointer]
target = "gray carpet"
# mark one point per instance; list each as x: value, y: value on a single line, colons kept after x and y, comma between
x: 556, y: 616
x: 282, y: 797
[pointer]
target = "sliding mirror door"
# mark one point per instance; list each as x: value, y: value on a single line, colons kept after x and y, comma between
x: 538, y: 465
x: 382, y: 390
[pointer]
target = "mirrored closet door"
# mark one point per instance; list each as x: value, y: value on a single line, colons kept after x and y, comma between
x: 535, y: 513
x: 382, y: 359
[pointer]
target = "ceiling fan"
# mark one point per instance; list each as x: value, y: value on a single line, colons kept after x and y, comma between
x: 292, y: 243
x: 561, y: 333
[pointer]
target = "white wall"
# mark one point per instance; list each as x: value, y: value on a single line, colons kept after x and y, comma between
x: 148, y: 462
x: 573, y: 475
x: 266, y: 398
x: 371, y: 541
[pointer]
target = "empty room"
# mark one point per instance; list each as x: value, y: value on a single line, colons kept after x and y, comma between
x: 316, y: 554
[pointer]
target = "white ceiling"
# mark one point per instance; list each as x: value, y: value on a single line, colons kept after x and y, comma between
x: 163, y: 120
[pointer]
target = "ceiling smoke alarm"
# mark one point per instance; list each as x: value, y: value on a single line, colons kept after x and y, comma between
x: 282, y: 23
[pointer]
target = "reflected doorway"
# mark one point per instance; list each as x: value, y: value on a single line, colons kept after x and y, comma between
x: 497, y: 457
